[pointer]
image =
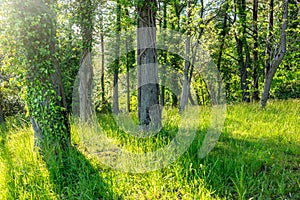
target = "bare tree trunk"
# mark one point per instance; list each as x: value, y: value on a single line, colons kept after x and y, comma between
x: 270, y: 37
x: 164, y: 54
x: 223, y: 35
x: 127, y: 77
x: 279, y: 55
x: 174, y: 88
x: 185, y: 86
x: 255, y: 77
x: 117, y: 62
x: 148, y: 88
x: 86, y: 11
x: 85, y: 87
x: 242, y: 47
x: 130, y: 60
x: 102, y: 69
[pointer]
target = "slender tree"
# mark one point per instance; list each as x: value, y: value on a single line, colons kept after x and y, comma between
x: 185, y: 86
x: 255, y: 77
x: 163, y: 27
x: 243, y: 51
x: 117, y: 61
x: 280, y: 51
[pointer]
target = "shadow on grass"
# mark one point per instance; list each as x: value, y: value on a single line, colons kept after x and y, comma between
x: 237, y: 168
x: 65, y: 175
x: 75, y: 177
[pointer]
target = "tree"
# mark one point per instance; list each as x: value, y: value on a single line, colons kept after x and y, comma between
x: 148, y: 88
x: 255, y: 76
x: 279, y: 54
x: 117, y: 61
x: 33, y: 25
x: 185, y: 86
x: 243, y: 50
x: 86, y: 13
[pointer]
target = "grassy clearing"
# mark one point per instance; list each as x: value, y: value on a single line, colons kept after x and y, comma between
x: 257, y: 157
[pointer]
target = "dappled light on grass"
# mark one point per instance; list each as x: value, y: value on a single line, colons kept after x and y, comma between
x: 257, y: 156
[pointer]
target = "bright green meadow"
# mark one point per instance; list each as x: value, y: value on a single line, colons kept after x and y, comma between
x: 256, y: 157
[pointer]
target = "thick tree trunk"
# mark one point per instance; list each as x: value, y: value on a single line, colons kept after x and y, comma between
x: 255, y: 76
x: 86, y: 12
x: 45, y: 94
x: 279, y: 55
x: 148, y: 88
x: 85, y: 87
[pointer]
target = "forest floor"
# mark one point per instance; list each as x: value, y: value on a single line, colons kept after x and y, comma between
x: 257, y: 156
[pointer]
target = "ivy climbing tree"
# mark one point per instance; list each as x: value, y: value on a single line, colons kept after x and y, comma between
x: 33, y: 26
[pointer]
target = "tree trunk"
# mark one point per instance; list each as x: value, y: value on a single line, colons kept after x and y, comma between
x: 164, y: 54
x: 242, y: 47
x: 255, y: 77
x: 127, y: 76
x: 102, y: 69
x: 270, y: 37
x: 148, y: 88
x: 130, y: 60
x: 117, y: 62
x: 85, y: 87
x: 45, y: 94
x: 185, y: 86
x: 279, y: 55
x: 86, y: 12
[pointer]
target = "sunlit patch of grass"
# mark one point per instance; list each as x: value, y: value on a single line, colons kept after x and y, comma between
x: 23, y: 173
x: 257, y: 156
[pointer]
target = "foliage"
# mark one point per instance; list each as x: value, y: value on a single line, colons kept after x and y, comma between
x: 32, y: 25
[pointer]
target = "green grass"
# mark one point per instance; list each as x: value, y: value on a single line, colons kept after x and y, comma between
x: 256, y: 157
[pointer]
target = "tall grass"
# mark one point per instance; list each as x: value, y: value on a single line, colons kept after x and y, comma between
x: 256, y: 157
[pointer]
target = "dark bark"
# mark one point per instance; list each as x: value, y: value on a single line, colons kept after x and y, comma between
x: 102, y: 69
x: 278, y: 56
x: 117, y: 61
x: 255, y: 96
x: 164, y: 54
x: 242, y: 47
x: 148, y: 88
x: 223, y: 35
